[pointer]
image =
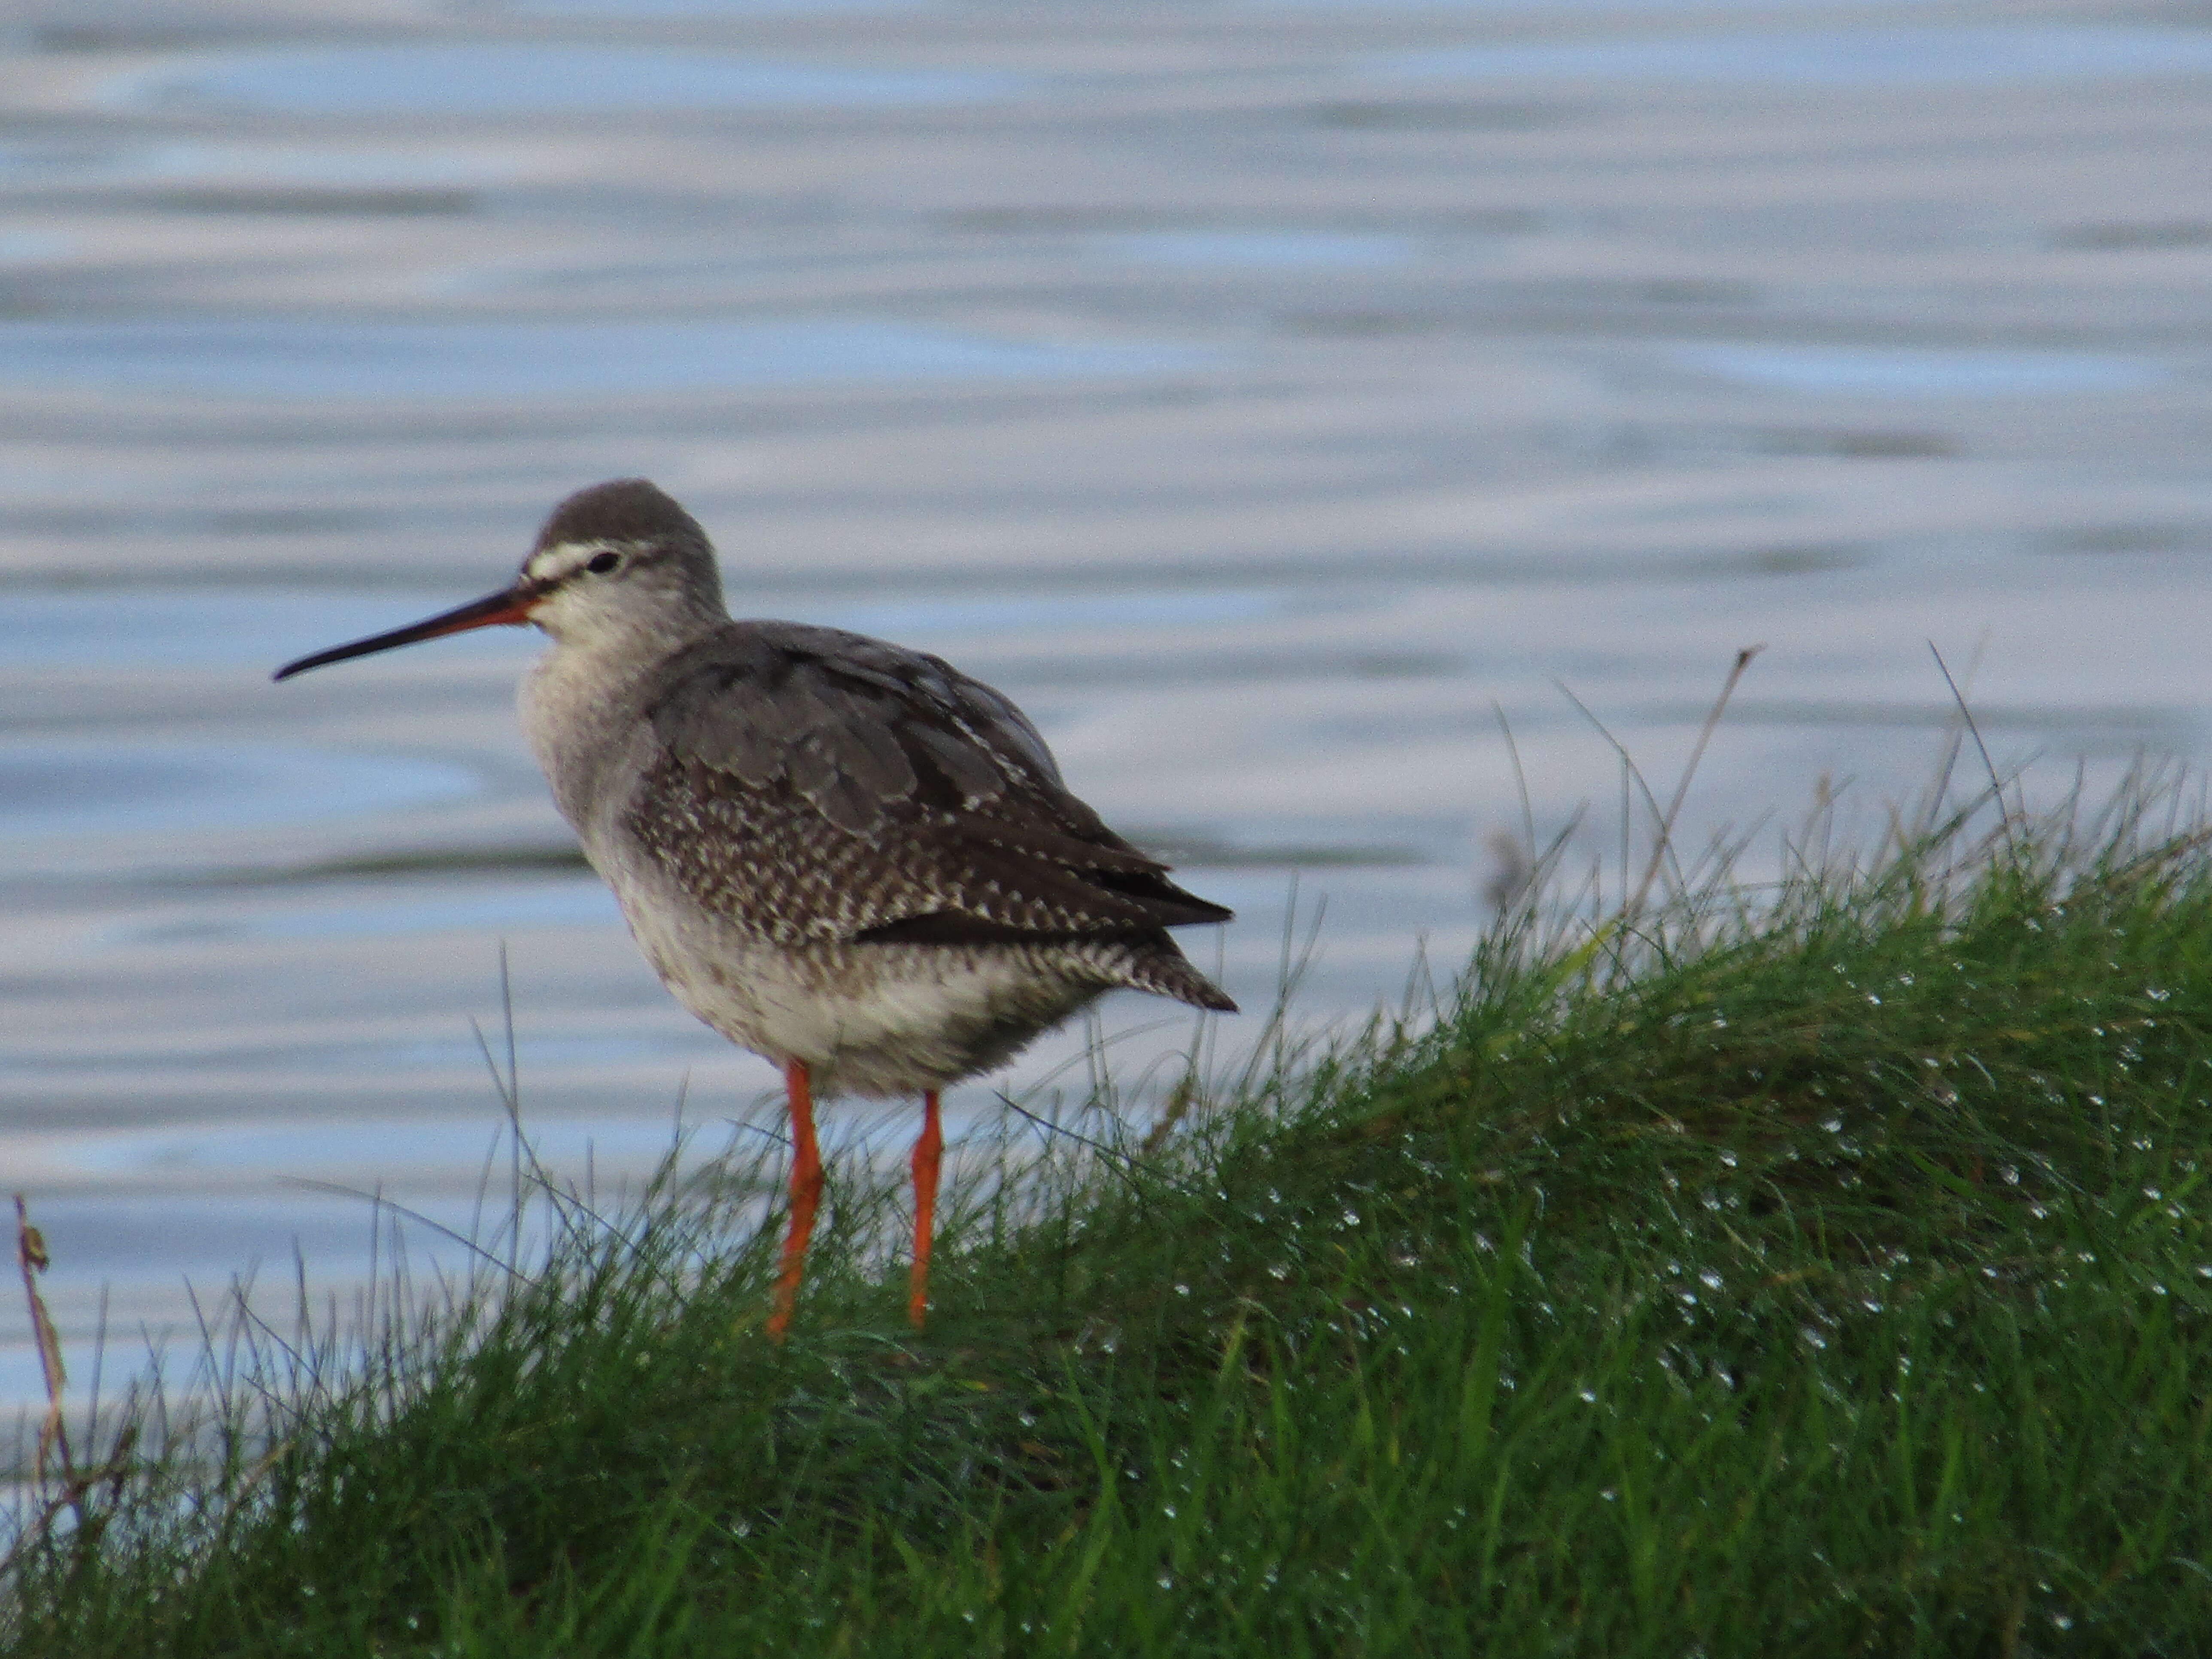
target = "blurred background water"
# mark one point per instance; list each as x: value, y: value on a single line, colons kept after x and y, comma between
x: 1268, y: 395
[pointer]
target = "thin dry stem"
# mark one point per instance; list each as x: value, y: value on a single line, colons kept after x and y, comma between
x: 1966, y: 714
x: 1665, y: 839
x: 32, y: 1259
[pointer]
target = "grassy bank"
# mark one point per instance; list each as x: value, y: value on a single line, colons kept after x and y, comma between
x: 1832, y: 1278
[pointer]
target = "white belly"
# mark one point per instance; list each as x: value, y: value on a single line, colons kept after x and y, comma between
x: 866, y: 1019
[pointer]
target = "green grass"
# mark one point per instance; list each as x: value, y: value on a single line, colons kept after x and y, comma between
x: 1825, y: 1277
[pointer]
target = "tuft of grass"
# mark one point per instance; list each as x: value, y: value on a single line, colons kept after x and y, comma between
x: 1821, y: 1272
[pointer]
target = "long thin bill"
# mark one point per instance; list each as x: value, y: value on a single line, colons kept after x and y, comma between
x: 509, y: 606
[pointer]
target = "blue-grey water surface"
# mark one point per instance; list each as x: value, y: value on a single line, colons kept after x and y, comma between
x: 1279, y: 400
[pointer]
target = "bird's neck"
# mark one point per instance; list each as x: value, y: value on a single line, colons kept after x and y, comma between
x: 579, y: 703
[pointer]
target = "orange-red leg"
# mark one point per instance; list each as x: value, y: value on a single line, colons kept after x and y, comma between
x: 926, y: 1152
x: 806, y: 1193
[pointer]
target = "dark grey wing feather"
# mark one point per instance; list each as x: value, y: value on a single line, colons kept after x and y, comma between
x: 967, y: 766
x: 688, y: 721
x: 814, y: 784
x: 988, y: 706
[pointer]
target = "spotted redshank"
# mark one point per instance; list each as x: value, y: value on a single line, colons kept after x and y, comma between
x: 844, y: 855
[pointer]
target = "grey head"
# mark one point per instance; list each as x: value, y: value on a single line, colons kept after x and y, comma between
x: 619, y: 566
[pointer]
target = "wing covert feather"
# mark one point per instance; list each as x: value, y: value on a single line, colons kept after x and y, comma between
x: 814, y: 784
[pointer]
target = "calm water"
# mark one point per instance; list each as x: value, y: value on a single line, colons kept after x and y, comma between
x: 1268, y: 397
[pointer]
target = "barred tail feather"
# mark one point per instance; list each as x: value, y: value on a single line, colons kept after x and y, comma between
x: 1168, y: 973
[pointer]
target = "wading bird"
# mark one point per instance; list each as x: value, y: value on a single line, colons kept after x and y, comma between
x: 844, y: 855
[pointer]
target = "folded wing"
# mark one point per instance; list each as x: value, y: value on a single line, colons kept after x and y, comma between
x: 816, y: 786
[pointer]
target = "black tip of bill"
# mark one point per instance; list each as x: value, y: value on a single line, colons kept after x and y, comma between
x: 510, y: 606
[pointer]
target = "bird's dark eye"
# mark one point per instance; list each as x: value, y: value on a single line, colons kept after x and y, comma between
x: 602, y: 562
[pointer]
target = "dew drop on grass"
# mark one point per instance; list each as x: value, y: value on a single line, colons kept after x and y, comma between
x: 1609, y: 1495
x: 2152, y: 1191
x: 2009, y: 1175
x: 1711, y: 1281
x: 1182, y: 1290
x: 1812, y: 1338
x: 1874, y: 999
x: 1589, y: 1396
x: 1167, y: 1581
x: 1278, y: 1271
x: 1834, y: 1126
x: 1728, y: 1158
x: 1351, y: 1218
x: 2060, y: 1621
x: 1872, y: 1305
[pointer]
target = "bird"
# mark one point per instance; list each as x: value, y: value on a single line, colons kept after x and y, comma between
x: 840, y: 853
